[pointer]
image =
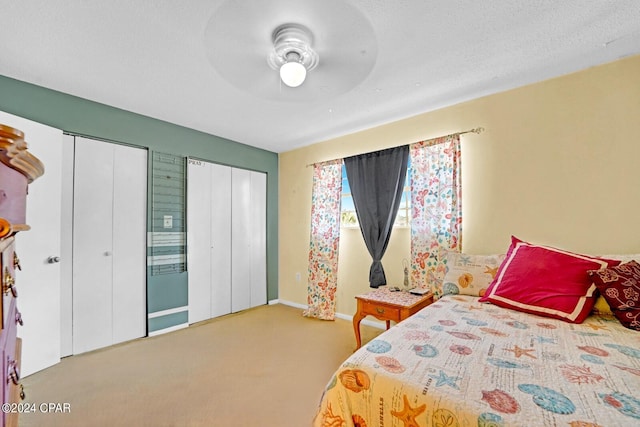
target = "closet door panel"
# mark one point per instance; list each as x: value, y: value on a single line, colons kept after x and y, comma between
x: 241, y: 240
x: 198, y: 239
x: 66, y: 247
x: 229, y: 207
x: 258, y: 239
x: 220, y: 240
x: 92, y: 245
x: 129, y: 243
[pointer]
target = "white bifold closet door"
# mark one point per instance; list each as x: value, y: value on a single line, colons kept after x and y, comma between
x: 248, y: 237
x: 109, y: 244
x: 226, y: 255
x: 209, y: 240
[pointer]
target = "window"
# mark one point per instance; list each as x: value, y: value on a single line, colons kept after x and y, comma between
x: 348, y: 210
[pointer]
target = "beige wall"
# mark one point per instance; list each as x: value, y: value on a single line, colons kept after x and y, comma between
x: 558, y: 163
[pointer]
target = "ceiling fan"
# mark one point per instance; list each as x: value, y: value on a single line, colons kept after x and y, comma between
x: 330, y: 44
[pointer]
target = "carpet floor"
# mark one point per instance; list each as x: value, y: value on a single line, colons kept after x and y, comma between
x: 261, y: 367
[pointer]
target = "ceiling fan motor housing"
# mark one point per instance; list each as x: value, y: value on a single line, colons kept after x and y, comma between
x: 292, y: 42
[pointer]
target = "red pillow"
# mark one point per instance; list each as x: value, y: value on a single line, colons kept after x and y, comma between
x: 620, y: 286
x: 546, y: 281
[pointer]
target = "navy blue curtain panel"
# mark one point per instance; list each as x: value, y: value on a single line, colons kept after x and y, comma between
x: 377, y: 181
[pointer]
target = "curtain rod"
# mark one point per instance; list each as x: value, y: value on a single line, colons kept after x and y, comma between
x: 477, y: 130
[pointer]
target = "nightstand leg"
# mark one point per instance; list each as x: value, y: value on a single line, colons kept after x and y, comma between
x: 388, y: 324
x: 357, y: 318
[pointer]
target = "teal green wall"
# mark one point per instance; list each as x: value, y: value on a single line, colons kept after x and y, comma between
x: 80, y: 116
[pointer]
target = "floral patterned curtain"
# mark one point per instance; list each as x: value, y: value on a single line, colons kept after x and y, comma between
x: 325, y: 236
x: 436, y: 209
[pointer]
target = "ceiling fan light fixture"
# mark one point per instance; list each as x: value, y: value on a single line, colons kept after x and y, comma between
x: 292, y: 53
x: 293, y: 73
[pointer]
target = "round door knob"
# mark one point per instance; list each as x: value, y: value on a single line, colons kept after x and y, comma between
x: 107, y: 253
x: 53, y: 259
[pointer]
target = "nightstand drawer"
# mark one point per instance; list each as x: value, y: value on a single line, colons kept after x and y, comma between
x: 381, y: 311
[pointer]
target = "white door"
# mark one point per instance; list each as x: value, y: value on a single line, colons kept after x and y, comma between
x: 129, y: 244
x: 39, y: 281
x: 220, y: 256
x: 109, y: 244
x: 226, y: 221
x: 199, y: 239
x: 92, y: 245
x: 209, y: 239
x: 66, y: 245
x: 241, y: 235
x: 249, y: 240
x: 258, y: 239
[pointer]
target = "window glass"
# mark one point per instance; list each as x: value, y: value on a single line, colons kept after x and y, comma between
x: 348, y: 211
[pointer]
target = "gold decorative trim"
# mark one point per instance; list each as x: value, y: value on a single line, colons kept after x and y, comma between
x: 8, y: 229
x: 11, y: 133
x: 13, y: 153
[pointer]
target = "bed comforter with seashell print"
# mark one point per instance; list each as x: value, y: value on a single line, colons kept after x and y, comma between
x: 459, y: 362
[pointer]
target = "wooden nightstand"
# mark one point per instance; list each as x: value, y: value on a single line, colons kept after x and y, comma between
x: 386, y: 305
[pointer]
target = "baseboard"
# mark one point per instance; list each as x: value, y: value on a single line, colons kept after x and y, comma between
x: 293, y: 304
x: 374, y: 323
x: 348, y: 317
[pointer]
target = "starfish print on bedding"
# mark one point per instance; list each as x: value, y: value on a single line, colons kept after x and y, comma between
x: 408, y: 414
x: 517, y: 351
x: 444, y: 379
x: 331, y: 420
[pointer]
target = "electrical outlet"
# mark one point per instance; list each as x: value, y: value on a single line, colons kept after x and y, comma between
x: 298, y: 278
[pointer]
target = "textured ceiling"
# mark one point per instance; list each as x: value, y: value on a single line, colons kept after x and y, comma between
x: 203, y: 63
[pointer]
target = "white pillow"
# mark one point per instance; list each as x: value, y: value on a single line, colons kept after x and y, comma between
x: 470, y: 274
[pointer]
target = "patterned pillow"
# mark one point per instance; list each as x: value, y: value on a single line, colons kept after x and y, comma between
x: 620, y: 286
x: 546, y: 281
x: 602, y: 306
x: 470, y: 274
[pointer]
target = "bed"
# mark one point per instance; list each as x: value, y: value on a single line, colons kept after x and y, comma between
x: 463, y: 362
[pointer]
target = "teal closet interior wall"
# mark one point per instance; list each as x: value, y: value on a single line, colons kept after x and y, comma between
x: 84, y: 117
